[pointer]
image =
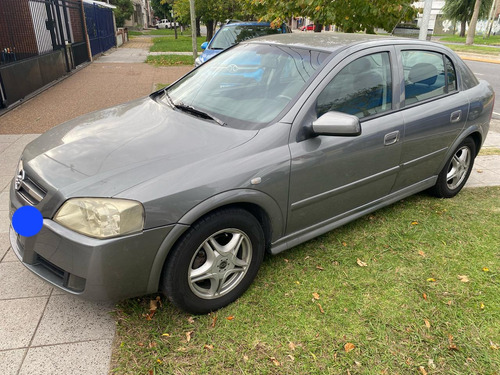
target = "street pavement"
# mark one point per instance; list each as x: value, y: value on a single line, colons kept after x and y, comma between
x: 46, y: 331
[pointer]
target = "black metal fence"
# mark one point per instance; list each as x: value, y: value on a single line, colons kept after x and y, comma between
x: 40, y: 41
x: 31, y: 28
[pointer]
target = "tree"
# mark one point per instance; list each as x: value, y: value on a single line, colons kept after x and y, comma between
x: 161, y: 8
x: 350, y: 15
x: 472, y: 27
x: 123, y: 11
x: 462, y: 10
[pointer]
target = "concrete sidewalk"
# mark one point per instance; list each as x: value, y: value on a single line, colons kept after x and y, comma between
x: 42, y: 330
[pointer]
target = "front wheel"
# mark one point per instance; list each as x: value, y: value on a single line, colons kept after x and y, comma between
x: 215, y: 262
x: 455, y: 173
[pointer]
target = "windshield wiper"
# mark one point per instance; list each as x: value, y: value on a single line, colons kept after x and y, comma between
x: 169, y: 99
x: 197, y: 112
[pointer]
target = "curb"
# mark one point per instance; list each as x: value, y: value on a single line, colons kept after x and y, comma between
x: 478, y: 59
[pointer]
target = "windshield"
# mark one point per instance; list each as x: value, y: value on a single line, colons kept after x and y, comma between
x: 247, y: 86
x: 230, y: 35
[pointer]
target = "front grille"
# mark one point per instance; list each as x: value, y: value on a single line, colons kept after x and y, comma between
x: 30, y: 191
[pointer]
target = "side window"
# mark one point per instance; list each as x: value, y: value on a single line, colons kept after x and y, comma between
x: 424, y: 73
x: 451, y: 75
x: 362, y: 88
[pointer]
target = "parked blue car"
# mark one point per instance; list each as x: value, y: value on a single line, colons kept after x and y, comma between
x: 233, y: 33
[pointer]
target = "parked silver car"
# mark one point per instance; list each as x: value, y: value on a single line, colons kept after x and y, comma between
x: 267, y: 145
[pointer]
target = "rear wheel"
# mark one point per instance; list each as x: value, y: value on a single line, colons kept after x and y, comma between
x: 215, y: 262
x: 455, y: 173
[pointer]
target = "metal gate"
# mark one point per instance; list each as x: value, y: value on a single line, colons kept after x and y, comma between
x: 40, y: 40
x: 100, y: 28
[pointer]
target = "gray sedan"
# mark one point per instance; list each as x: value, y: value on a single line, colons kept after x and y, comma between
x: 271, y: 143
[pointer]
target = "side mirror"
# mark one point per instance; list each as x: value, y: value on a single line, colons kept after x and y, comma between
x: 204, y: 45
x: 336, y: 123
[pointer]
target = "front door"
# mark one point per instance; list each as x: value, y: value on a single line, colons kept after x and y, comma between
x: 335, y: 176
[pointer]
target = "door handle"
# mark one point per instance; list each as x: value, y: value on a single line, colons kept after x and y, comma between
x: 456, y: 116
x: 391, y: 138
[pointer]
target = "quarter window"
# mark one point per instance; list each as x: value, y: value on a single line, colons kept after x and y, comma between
x: 362, y: 88
x: 427, y: 75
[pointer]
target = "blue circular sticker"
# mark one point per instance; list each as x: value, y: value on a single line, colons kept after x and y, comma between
x: 27, y: 221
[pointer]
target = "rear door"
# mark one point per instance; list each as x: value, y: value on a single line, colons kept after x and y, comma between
x: 434, y: 112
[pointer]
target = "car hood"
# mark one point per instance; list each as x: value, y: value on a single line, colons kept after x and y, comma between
x: 109, y: 151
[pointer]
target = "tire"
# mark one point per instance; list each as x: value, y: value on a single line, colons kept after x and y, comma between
x: 455, y: 173
x: 215, y: 261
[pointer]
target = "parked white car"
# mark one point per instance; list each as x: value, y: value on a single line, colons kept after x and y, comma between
x: 163, y: 24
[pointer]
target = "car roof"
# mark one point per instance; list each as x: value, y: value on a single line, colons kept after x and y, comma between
x: 332, y: 41
x: 247, y: 23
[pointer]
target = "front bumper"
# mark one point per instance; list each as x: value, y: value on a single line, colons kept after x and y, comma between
x: 93, y: 269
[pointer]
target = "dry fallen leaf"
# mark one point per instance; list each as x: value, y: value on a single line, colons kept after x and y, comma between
x: 153, y: 305
x: 361, y: 263
x: 344, y: 243
x: 319, y: 268
x: 421, y: 369
x: 431, y: 279
x: 463, y: 278
x: 159, y: 361
x: 291, y: 357
x: 152, y: 345
x: 481, y: 306
x: 424, y: 296
x: 214, y: 320
x: 165, y: 334
x: 321, y: 309
x: 291, y: 345
x: 486, y: 269
x: 190, y: 320
x: 275, y: 361
x: 230, y: 317
x: 421, y: 253
x: 427, y: 323
x: 414, y: 223
x: 188, y: 335
x: 451, y: 345
x: 297, y: 282
x: 315, y: 295
x: 245, y: 358
x: 348, y: 347
x: 286, y: 260
x: 479, y: 171
x: 208, y: 347
x: 494, y: 346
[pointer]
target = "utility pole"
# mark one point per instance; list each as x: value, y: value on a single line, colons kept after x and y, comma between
x: 193, y: 29
x: 424, y: 26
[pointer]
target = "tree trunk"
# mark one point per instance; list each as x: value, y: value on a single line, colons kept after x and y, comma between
x: 473, y: 22
x: 318, y: 27
x: 198, y: 27
x: 210, y: 29
x: 463, y: 24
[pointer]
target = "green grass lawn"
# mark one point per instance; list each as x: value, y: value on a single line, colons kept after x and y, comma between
x: 475, y: 49
x: 170, y: 44
x: 427, y: 301
x: 478, y: 39
x: 170, y: 60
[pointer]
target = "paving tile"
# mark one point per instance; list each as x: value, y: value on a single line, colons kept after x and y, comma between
x: 9, y: 138
x: 4, y: 201
x: 11, y: 360
x: 8, y: 165
x: 16, y: 281
x: 82, y: 358
x: 3, y: 146
x: 10, y: 257
x: 4, y: 245
x: 19, y: 319
x: 70, y: 319
x: 5, y: 181
x: 4, y: 221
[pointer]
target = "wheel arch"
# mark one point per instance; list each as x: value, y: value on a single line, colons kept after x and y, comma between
x: 264, y: 208
x: 474, y: 133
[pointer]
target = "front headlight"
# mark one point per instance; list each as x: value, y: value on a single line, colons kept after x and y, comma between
x: 101, y: 217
